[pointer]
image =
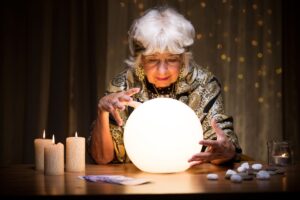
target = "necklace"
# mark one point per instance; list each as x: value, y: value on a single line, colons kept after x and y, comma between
x: 167, y: 92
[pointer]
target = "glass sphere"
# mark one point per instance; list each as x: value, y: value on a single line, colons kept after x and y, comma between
x: 161, y: 135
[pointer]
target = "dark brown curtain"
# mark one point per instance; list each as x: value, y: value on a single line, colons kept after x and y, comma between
x: 58, y: 56
x: 291, y: 73
x: 53, y: 67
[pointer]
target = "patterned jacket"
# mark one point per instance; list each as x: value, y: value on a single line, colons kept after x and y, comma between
x: 199, y: 89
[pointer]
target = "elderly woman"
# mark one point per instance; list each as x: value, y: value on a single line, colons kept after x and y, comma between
x: 161, y: 65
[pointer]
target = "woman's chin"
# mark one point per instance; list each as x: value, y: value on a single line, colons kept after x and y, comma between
x: 161, y: 85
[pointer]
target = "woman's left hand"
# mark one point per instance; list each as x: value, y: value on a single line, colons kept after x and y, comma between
x: 218, y: 151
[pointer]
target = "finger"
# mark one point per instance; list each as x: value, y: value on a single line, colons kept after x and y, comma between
x: 206, y: 156
x: 217, y: 129
x: 210, y: 143
x: 132, y: 91
x: 119, y: 105
x: 201, y: 156
x: 194, y: 163
x: 125, y: 98
x: 117, y: 117
x: 133, y: 104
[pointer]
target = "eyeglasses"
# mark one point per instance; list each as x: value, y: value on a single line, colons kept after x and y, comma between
x: 152, y: 61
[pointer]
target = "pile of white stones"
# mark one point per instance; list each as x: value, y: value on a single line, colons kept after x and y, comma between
x: 247, y: 172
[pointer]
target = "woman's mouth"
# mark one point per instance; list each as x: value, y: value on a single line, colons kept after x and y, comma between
x: 162, y: 78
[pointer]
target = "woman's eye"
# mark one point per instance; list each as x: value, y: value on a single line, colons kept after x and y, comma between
x: 172, y: 60
x: 152, y: 61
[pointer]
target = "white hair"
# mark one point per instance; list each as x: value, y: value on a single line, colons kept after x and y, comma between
x: 161, y: 30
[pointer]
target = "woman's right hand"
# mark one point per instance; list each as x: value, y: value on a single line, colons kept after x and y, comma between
x: 116, y: 101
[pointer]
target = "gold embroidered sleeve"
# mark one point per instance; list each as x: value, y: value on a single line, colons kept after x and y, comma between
x: 117, y: 132
x: 210, y: 105
x: 117, y: 136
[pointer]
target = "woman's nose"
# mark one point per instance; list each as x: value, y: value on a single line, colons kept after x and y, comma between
x: 162, y: 67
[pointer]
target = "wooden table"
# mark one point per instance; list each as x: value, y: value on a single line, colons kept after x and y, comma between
x: 23, y: 181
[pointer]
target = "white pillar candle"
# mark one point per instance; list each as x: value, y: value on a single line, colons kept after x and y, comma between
x: 54, y: 159
x: 75, y: 154
x: 39, y: 146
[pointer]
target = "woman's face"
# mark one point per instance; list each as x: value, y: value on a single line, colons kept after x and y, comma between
x: 162, y: 69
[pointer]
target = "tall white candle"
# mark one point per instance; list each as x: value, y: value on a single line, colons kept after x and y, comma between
x: 54, y: 158
x: 75, y: 154
x: 39, y: 146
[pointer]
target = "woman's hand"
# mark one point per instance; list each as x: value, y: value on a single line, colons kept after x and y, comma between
x: 218, y: 151
x: 116, y: 101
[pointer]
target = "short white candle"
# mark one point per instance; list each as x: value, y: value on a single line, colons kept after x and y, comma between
x: 75, y: 154
x: 54, y: 158
x: 39, y: 146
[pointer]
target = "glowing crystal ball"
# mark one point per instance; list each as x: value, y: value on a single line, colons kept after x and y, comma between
x: 161, y: 135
